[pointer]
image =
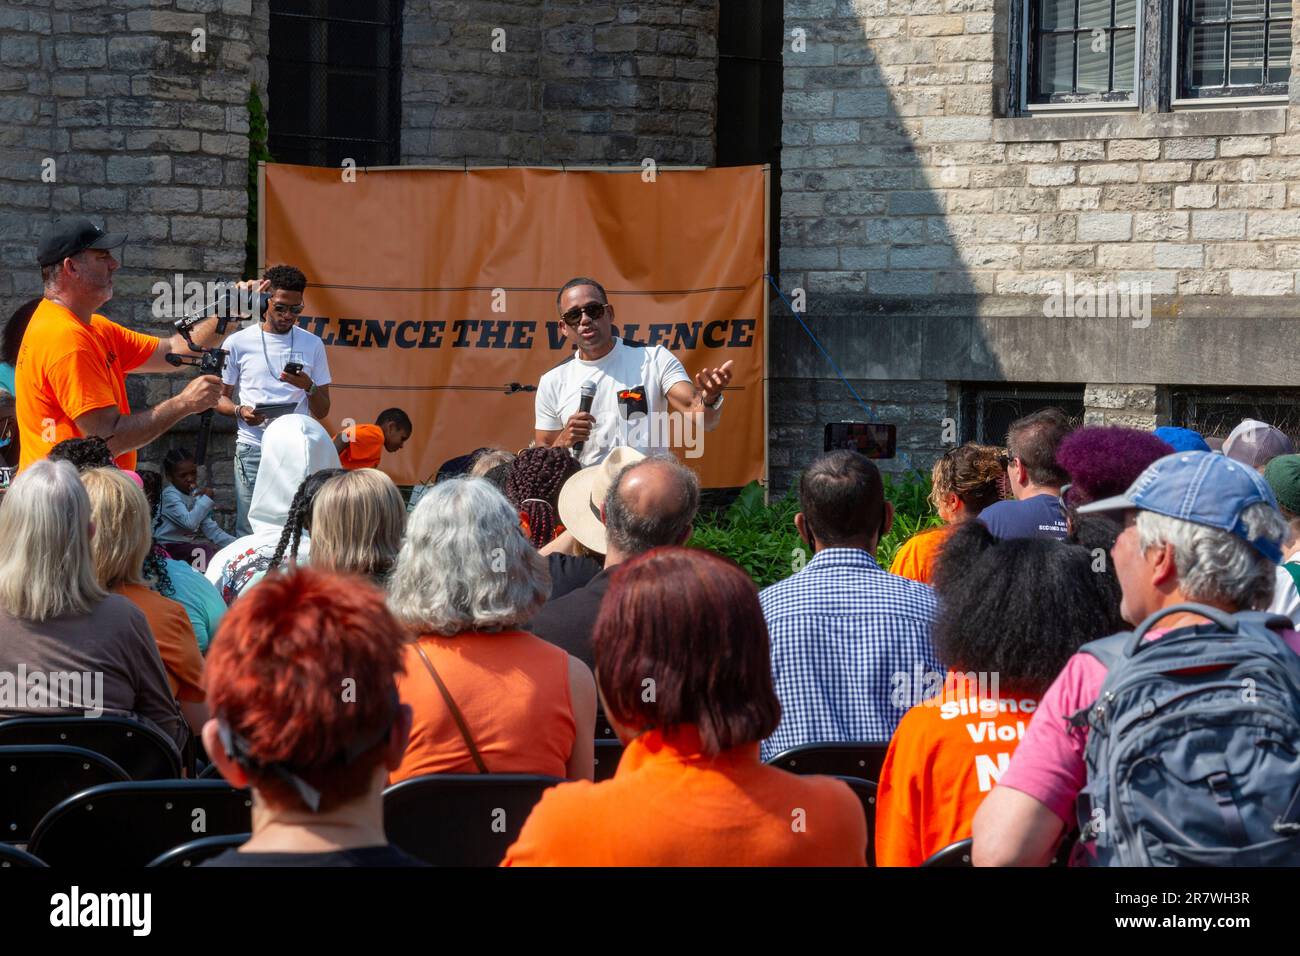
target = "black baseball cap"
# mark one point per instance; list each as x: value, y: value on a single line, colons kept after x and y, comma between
x: 66, y: 237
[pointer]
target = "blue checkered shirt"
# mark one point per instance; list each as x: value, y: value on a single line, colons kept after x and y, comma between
x: 843, y: 631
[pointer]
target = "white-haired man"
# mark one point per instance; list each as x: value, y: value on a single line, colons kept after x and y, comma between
x: 1198, y: 528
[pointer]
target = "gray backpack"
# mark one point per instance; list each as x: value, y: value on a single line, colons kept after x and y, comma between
x: 1193, y: 750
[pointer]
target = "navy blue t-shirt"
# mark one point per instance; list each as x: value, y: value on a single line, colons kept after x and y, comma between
x: 1038, y: 517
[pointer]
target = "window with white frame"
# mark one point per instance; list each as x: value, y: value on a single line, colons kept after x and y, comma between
x: 1082, y: 51
x: 1233, y: 48
x: 1121, y: 54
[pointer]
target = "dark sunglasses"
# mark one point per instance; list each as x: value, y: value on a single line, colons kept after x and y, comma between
x: 592, y: 310
x: 291, y: 309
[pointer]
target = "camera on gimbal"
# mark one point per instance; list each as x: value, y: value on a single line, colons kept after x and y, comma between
x: 209, y: 361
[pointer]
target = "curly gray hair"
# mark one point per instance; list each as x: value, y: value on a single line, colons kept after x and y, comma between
x: 465, y: 564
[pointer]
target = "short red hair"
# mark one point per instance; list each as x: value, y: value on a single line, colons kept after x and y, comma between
x: 689, y: 620
x: 279, y: 670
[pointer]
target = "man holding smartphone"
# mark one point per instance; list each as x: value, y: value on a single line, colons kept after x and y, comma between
x: 272, y: 363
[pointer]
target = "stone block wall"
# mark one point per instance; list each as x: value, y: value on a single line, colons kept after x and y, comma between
x: 579, y: 82
x: 902, y: 178
x: 906, y: 184
x: 118, y: 111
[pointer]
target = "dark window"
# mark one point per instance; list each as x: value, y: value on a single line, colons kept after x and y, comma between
x: 1234, y: 47
x: 1082, y: 50
x: 335, y: 87
x: 750, y: 88
x: 1215, y: 412
x: 988, y: 411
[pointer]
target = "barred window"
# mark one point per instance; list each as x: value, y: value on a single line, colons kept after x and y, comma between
x: 1082, y: 50
x: 1234, y: 47
x: 335, y: 83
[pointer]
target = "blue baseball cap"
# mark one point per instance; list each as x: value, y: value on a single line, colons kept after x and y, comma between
x: 1202, y: 487
x: 1182, y: 439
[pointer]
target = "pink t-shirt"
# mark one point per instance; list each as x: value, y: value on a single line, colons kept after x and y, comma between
x: 1048, y: 764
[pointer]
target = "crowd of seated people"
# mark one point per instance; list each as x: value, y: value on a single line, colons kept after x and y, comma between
x: 523, y: 601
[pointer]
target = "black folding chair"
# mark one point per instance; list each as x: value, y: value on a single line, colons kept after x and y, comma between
x: 608, y: 753
x: 865, y: 791
x: 959, y: 853
x: 954, y: 855
x: 34, y: 780
x: 862, y: 760
x: 142, y: 751
x: 128, y: 824
x: 603, y: 730
x: 11, y: 856
x: 454, y: 819
x: 196, y: 851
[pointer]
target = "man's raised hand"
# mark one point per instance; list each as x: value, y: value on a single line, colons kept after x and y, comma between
x: 711, y: 381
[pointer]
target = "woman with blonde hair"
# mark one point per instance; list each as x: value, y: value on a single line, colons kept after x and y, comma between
x: 487, y: 695
x: 56, y: 618
x: 123, y: 539
x: 964, y: 481
x: 357, y: 521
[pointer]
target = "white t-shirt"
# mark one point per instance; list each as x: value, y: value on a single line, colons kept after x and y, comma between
x: 632, y: 383
x: 1286, y: 600
x: 256, y: 360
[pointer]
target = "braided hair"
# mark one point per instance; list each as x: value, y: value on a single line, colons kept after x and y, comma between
x: 174, y: 457
x: 533, y: 486
x: 299, y: 518
x: 155, y: 562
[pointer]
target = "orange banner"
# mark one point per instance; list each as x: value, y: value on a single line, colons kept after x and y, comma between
x: 434, y: 291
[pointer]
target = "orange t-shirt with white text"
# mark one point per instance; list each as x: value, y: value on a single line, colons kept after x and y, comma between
x: 364, y: 449
x: 67, y: 368
x: 943, y: 759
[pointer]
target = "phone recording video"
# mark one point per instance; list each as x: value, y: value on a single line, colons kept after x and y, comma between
x: 867, y: 438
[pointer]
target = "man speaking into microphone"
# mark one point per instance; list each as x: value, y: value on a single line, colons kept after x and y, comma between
x: 625, y: 379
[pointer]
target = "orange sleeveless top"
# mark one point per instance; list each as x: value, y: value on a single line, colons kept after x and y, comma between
x: 512, y: 688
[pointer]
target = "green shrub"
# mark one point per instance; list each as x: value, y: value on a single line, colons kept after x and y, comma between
x: 762, y: 539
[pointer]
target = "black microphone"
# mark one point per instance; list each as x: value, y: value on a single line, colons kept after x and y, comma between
x: 588, y: 393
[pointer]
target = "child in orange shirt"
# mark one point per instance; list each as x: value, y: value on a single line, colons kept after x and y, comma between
x: 362, y: 446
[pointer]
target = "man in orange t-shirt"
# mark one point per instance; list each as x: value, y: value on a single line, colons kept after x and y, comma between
x: 70, y: 377
x: 944, y: 758
x: 361, y: 446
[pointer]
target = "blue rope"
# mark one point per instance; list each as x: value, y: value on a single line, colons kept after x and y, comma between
x: 821, y: 348
x: 903, y: 456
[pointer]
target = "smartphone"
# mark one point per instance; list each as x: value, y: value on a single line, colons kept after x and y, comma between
x: 293, y: 368
x: 868, y: 438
